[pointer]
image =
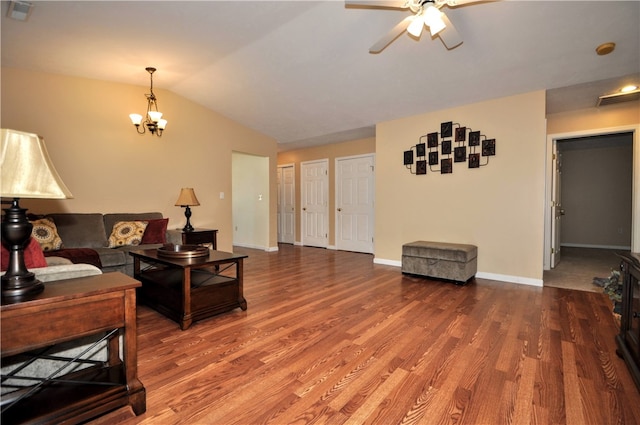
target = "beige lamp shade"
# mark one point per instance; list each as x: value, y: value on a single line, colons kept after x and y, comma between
x: 187, y: 197
x: 26, y: 168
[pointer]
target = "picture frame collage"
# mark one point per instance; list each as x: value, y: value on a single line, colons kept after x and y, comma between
x: 455, y: 143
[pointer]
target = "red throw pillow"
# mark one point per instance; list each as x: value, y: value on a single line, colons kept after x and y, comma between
x: 156, y: 231
x: 33, y: 256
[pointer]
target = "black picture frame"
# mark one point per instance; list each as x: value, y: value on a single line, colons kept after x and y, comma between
x: 474, y: 160
x: 460, y: 154
x: 421, y: 167
x: 446, y: 147
x: 461, y: 134
x: 446, y: 129
x: 432, y: 140
x: 474, y: 138
x: 433, y: 158
x: 420, y: 150
x: 489, y: 147
x: 408, y: 157
x: 446, y: 166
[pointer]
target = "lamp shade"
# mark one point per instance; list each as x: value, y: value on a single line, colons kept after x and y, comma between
x: 187, y: 197
x: 27, y: 170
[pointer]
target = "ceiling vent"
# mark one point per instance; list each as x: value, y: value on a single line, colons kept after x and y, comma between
x: 19, y: 10
x: 612, y: 99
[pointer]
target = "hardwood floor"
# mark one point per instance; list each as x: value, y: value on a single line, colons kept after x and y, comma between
x: 331, y: 338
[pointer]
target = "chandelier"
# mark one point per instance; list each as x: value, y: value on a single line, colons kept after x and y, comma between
x: 153, y: 119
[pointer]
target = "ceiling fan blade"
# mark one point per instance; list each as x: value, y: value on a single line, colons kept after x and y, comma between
x: 455, y: 3
x: 397, y: 4
x: 449, y: 36
x: 392, y: 35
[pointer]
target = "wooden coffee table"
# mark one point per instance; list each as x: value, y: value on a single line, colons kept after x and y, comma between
x: 190, y: 289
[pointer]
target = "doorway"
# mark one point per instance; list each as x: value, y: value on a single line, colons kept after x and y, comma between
x: 588, y: 195
x: 250, y: 200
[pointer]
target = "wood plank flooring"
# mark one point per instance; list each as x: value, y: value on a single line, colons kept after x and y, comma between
x: 331, y: 338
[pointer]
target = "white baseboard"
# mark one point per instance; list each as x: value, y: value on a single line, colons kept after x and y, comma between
x: 387, y: 262
x: 511, y: 279
x: 262, y: 248
x: 492, y: 276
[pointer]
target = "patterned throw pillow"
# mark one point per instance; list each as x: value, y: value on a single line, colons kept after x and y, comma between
x: 127, y: 233
x: 46, y: 233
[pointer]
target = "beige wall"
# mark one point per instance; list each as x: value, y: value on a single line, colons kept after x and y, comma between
x: 110, y: 168
x: 498, y: 207
x: 622, y: 114
x: 330, y: 152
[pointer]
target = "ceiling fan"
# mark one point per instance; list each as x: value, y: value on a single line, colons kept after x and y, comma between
x: 425, y: 13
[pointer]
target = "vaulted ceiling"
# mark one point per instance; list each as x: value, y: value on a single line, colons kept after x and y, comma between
x: 300, y: 71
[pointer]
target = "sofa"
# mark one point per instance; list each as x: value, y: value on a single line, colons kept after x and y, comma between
x: 102, y: 240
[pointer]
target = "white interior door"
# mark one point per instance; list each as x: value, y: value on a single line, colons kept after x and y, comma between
x: 315, y: 206
x: 556, y: 205
x: 286, y: 204
x: 354, y: 203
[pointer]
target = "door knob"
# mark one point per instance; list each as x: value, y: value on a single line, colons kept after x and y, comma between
x: 304, y: 208
x: 339, y: 209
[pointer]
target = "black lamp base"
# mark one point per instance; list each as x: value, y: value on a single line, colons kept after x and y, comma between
x: 18, y: 283
x: 187, y: 213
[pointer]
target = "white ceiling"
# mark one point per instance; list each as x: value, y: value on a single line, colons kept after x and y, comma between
x: 300, y: 71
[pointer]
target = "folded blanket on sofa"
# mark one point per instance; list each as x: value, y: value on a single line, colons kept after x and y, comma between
x: 77, y: 255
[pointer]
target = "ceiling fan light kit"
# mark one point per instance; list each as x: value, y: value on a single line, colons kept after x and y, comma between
x: 425, y: 13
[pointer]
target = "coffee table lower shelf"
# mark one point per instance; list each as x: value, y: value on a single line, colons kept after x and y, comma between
x: 210, y: 294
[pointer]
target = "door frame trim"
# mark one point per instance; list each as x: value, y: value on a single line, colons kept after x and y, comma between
x: 635, y: 195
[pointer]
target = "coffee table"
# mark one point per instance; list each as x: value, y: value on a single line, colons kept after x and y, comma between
x: 190, y: 289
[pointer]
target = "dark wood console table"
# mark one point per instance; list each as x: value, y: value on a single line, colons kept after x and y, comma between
x: 190, y: 289
x: 628, y: 340
x: 67, y: 310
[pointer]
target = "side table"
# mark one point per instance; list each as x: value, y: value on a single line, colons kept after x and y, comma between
x: 201, y: 236
x: 67, y: 310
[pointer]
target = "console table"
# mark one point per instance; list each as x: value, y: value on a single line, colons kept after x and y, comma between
x: 628, y: 340
x: 66, y: 310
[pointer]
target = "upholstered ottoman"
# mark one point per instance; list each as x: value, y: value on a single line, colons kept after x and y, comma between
x: 451, y: 261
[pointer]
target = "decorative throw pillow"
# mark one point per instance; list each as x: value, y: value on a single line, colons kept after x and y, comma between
x: 46, y: 233
x: 33, y: 256
x: 156, y: 231
x: 127, y: 233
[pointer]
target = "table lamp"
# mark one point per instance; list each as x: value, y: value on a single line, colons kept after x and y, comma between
x: 187, y: 198
x: 27, y: 172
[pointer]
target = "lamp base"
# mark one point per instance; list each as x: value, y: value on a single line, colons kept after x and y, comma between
x: 187, y: 213
x: 20, y: 288
x: 17, y: 283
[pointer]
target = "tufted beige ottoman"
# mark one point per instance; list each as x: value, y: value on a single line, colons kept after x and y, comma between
x: 457, y: 262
